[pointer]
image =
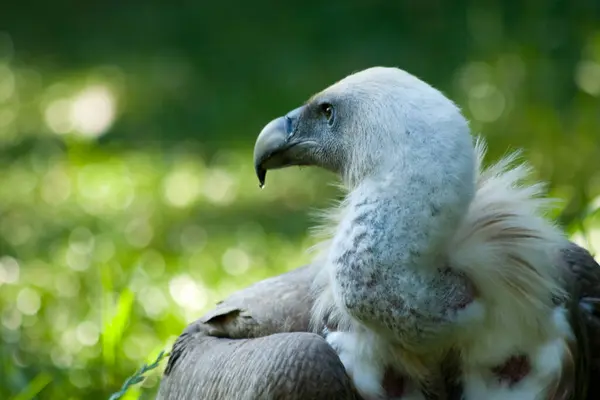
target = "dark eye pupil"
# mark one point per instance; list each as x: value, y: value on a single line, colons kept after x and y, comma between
x: 327, y: 110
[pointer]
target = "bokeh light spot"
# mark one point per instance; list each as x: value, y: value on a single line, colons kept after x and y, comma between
x: 87, y: 333
x: 136, y: 346
x: 60, y: 358
x: 56, y: 186
x: 57, y: 317
x: 587, y: 77
x: 153, y: 301
x: 80, y: 378
x: 81, y: 240
x: 11, y: 318
x: 139, y: 233
x: 104, y: 248
x: 486, y: 102
x: 219, y: 187
x: 69, y: 341
x: 7, y: 83
x: 67, y: 285
x: 152, y: 262
x: 187, y: 293
x: 235, y: 261
x: 105, y: 188
x: 28, y: 301
x: 473, y: 74
x: 9, y: 270
x: 93, y: 110
x: 181, y: 187
x: 56, y: 116
x: 76, y: 260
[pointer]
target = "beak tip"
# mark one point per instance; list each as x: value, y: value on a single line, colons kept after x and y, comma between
x: 272, y: 144
x: 261, y: 174
x: 271, y: 140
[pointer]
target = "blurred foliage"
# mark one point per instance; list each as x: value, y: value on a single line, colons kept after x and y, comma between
x: 139, y: 376
x: 128, y: 203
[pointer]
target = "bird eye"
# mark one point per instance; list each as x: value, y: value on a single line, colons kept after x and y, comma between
x: 328, y: 112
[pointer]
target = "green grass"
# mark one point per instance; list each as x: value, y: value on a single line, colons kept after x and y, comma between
x: 138, y: 376
x: 99, y: 268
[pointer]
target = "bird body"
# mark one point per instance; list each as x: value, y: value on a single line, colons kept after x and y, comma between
x: 428, y: 254
x: 489, y: 296
x: 260, y: 331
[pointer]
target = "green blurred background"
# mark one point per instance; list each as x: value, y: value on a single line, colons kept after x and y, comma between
x: 128, y: 202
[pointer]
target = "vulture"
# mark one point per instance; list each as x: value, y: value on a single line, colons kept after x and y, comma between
x: 437, y: 278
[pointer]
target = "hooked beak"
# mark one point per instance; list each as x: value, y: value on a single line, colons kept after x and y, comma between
x: 277, y: 145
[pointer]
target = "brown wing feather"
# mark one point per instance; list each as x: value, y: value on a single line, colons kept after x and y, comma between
x: 205, y: 360
x: 583, y: 282
x: 255, y: 345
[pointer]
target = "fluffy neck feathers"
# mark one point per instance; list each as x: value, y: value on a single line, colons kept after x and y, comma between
x: 408, y: 210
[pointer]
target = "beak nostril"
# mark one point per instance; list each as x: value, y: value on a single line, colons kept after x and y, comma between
x: 288, y: 125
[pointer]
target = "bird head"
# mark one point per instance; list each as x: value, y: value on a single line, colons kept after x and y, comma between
x: 379, y: 119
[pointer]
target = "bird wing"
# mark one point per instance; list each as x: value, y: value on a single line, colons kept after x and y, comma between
x: 583, y: 282
x: 256, y: 345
